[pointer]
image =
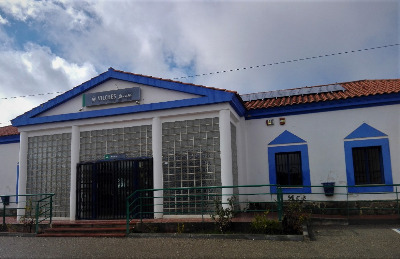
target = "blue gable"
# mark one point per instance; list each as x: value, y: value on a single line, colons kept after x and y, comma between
x: 286, y: 137
x: 206, y: 96
x: 365, y: 131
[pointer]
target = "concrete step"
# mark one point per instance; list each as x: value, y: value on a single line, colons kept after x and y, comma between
x: 81, y: 235
x: 86, y: 229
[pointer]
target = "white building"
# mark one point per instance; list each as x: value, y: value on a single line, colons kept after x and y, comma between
x: 121, y: 131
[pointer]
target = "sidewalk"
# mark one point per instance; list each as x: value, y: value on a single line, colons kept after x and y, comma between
x: 371, y: 241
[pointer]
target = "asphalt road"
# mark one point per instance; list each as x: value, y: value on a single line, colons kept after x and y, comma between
x: 331, y: 242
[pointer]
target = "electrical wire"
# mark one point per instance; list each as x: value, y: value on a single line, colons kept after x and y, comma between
x: 238, y: 69
x: 288, y: 61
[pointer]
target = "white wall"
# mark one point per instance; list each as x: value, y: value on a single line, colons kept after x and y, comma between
x: 324, y: 133
x: 8, y: 172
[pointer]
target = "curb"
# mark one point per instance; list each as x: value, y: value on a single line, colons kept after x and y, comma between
x: 16, y: 234
x: 220, y: 236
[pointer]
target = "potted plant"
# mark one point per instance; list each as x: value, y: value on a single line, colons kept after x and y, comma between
x: 329, y: 188
x: 5, y: 200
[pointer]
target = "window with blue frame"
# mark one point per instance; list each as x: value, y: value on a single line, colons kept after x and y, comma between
x: 288, y: 164
x: 288, y: 168
x: 368, y: 163
x: 368, y: 167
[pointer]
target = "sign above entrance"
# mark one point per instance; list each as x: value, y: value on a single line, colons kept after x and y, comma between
x: 110, y: 97
x: 114, y: 156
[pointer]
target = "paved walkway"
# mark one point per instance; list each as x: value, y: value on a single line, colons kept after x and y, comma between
x: 370, y: 241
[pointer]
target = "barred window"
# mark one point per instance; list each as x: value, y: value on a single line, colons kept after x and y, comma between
x: 368, y: 166
x: 288, y: 168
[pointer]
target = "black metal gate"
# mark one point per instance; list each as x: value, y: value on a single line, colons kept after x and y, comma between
x: 103, y: 186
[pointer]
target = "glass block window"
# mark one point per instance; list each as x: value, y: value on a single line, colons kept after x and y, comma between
x: 49, y: 169
x: 131, y: 141
x: 191, y: 158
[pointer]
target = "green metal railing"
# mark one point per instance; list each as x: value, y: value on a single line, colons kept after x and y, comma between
x: 258, y: 198
x: 200, y: 201
x: 35, y: 209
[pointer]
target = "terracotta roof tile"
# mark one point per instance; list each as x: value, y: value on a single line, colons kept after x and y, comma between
x: 351, y: 90
x: 8, y: 131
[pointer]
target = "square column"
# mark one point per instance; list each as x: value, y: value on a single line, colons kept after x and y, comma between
x: 23, y: 171
x: 226, y: 154
x: 157, y: 166
x: 75, y: 148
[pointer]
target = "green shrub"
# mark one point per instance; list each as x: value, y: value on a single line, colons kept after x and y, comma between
x: 223, y: 217
x: 295, y: 215
x: 261, y: 224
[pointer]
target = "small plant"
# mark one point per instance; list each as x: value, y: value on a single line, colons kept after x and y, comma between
x: 3, y: 228
x: 295, y: 215
x: 28, y: 219
x: 261, y: 224
x: 181, y: 228
x: 223, y: 217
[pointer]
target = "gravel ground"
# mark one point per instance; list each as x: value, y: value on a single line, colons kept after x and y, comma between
x: 331, y: 242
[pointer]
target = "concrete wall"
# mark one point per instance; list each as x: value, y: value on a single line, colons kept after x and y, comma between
x: 8, y: 172
x: 324, y: 133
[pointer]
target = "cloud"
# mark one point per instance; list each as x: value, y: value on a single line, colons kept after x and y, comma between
x: 33, y: 71
x: 174, y: 39
x: 2, y: 20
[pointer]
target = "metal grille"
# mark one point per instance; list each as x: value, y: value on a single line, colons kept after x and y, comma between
x: 102, y: 187
x: 368, y: 167
x: 288, y: 168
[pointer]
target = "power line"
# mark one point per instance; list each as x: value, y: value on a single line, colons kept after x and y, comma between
x: 238, y: 69
x: 289, y: 61
x: 30, y: 95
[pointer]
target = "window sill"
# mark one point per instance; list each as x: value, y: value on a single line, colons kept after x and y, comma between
x: 292, y: 190
x: 373, y: 188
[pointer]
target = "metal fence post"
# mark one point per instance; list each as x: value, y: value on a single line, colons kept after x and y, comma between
x: 37, y: 217
x: 280, y: 202
x: 397, y: 201
x: 347, y: 201
x: 127, y: 216
x: 140, y: 211
x: 51, y: 208
x: 4, y: 214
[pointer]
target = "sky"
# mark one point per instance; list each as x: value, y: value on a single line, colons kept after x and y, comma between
x: 48, y: 47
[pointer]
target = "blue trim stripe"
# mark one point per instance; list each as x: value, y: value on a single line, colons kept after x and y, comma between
x: 124, y: 110
x: 350, y: 103
x: 365, y: 131
x: 9, y: 139
x: 286, y: 137
x: 304, y: 164
x: 207, y: 96
x: 387, y: 167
